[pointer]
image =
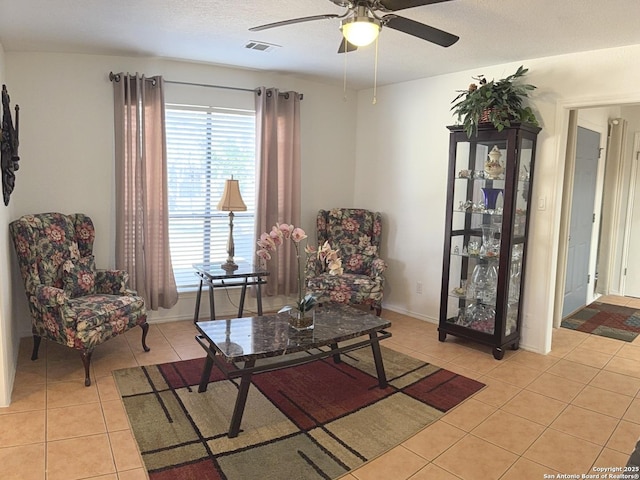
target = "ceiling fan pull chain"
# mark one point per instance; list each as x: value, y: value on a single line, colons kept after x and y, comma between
x: 375, y: 76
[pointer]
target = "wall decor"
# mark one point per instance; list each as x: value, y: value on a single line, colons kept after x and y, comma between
x: 9, y: 147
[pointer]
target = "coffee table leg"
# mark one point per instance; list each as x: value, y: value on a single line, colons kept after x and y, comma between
x: 206, y: 371
x: 243, y: 293
x: 196, y: 315
x: 212, y: 302
x: 336, y: 357
x: 377, y: 358
x: 259, y: 295
x: 241, y: 400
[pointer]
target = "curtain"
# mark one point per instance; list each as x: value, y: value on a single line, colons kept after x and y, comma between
x: 278, y: 179
x: 142, y: 223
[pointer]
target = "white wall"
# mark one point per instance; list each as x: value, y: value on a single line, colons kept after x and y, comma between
x: 402, y: 154
x: 66, y: 136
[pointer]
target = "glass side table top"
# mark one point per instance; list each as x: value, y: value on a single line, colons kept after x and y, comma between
x: 241, y: 339
x: 215, y: 271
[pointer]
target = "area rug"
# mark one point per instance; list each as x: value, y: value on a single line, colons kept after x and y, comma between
x: 606, y: 320
x: 314, y: 421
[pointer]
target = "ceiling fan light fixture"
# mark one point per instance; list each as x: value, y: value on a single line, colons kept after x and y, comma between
x: 360, y: 30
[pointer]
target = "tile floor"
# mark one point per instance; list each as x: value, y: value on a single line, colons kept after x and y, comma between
x: 567, y: 412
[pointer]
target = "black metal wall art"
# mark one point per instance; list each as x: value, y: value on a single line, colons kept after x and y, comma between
x: 9, y: 147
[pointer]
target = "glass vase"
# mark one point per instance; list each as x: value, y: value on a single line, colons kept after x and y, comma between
x: 490, y: 196
x: 300, y: 321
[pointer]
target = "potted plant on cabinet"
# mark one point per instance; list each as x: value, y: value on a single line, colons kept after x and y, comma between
x: 497, y: 102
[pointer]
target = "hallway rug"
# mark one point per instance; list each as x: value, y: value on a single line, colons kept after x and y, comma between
x: 313, y: 421
x: 606, y: 320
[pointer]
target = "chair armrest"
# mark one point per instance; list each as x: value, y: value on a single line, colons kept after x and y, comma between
x: 112, y: 282
x: 377, y: 267
x: 48, y: 296
x: 52, y: 317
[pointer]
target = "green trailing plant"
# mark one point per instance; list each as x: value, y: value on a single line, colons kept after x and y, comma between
x: 497, y: 102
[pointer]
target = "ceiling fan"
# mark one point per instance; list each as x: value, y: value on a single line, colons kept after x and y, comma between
x: 362, y: 22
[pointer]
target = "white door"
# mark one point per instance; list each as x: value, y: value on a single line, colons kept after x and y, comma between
x: 577, y: 281
x: 632, y: 280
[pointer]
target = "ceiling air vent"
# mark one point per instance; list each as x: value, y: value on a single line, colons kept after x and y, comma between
x: 261, y: 46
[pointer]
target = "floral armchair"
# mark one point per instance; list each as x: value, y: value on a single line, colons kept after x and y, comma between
x: 356, y: 235
x: 71, y: 302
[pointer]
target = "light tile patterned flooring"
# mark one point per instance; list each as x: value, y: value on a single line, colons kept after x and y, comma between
x: 567, y: 412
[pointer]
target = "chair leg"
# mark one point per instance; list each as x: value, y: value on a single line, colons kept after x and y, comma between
x: 36, y: 347
x: 145, y: 330
x: 378, y: 309
x: 86, y: 361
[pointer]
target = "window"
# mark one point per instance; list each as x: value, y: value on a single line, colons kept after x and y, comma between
x: 206, y: 146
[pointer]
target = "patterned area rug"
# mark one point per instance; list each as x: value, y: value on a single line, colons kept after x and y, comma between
x: 606, y: 320
x: 314, y: 421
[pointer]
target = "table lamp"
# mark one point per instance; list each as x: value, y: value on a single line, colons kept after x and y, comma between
x: 231, y: 201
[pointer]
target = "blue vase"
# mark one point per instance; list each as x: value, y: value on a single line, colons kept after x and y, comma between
x: 490, y: 197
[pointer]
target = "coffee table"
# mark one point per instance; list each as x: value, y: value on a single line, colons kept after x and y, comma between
x: 240, y: 347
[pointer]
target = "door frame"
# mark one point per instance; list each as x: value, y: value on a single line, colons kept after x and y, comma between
x: 599, y: 187
x: 630, y: 199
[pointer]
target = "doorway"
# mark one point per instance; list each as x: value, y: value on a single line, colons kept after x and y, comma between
x: 596, y: 120
x: 611, y: 107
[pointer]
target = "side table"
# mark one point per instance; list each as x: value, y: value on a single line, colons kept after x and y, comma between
x: 214, y: 276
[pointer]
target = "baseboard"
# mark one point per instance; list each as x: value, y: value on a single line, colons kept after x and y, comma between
x: 410, y: 313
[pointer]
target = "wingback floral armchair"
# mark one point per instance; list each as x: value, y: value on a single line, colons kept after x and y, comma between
x: 71, y: 302
x: 356, y: 234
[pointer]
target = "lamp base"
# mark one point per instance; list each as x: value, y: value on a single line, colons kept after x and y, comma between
x: 229, y: 266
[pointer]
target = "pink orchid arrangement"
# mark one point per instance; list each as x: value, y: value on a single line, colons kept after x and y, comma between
x: 270, y: 241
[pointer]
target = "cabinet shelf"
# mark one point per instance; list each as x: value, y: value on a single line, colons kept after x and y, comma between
x: 478, y: 256
x: 485, y: 245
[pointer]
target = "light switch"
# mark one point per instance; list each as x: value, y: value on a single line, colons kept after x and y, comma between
x: 542, y: 203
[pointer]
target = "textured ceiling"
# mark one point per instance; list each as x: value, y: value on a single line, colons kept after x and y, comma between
x: 215, y: 31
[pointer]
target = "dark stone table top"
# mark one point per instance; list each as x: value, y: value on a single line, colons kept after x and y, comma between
x: 241, y: 339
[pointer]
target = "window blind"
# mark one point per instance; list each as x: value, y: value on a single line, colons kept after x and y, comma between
x: 206, y: 146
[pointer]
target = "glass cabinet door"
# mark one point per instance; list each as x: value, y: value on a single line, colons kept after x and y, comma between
x: 518, y: 237
x: 476, y: 234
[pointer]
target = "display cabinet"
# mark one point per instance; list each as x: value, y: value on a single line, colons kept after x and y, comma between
x: 485, y: 248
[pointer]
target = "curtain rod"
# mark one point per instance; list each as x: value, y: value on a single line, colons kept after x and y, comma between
x: 253, y: 90
x: 116, y: 77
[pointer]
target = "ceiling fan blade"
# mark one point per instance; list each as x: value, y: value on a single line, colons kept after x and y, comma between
x: 292, y: 21
x: 420, y: 30
x: 395, y: 5
x: 346, y: 46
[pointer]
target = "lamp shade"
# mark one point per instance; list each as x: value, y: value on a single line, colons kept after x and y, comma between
x: 360, y: 31
x: 231, y: 200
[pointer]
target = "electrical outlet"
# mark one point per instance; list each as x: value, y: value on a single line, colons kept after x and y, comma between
x: 419, y: 288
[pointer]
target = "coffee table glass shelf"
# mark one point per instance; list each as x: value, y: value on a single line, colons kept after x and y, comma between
x: 240, y: 347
